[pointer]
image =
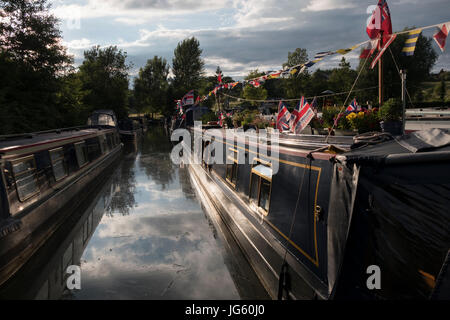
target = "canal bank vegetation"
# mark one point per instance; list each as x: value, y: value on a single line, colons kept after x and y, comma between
x: 41, y: 88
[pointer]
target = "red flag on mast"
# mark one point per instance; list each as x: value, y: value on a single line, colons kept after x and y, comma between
x: 380, y: 21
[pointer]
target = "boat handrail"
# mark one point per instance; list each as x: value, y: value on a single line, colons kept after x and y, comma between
x: 31, y: 135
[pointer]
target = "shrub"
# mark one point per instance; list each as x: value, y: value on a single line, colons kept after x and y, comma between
x: 210, y: 116
x: 391, y: 110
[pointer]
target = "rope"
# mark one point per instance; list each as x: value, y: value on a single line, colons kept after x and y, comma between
x: 364, y: 42
x: 298, y: 99
x: 348, y: 96
x: 398, y: 70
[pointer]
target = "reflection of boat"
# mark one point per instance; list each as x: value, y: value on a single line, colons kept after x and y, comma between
x: 44, y: 276
x: 129, y: 130
x: 313, y: 228
x: 42, y: 173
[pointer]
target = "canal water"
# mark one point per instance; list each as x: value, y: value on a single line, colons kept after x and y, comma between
x: 143, y: 235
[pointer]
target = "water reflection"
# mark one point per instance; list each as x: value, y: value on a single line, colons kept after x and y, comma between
x: 144, y: 235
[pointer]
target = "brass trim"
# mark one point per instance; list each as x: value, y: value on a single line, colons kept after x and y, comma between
x: 315, y: 260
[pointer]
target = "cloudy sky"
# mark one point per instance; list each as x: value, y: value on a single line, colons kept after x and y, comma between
x: 237, y: 35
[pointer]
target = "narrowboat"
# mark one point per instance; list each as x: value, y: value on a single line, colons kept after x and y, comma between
x: 334, y: 211
x: 45, y: 275
x: 42, y: 175
x: 129, y: 130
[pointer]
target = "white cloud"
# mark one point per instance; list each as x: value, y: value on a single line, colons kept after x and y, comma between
x: 325, y: 5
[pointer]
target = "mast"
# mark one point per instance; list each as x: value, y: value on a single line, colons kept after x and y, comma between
x: 380, y: 72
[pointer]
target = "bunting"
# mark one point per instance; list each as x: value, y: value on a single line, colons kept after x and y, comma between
x: 441, y: 36
x: 380, y: 21
x: 410, y: 44
x: 391, y: 38
x: 370, y: 49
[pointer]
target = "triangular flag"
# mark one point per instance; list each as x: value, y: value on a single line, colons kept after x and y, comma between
x: 369, y: 50
x: 389, y: 41
x: 441, y: 36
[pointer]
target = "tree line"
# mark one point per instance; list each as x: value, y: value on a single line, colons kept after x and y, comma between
x: 40, y: 88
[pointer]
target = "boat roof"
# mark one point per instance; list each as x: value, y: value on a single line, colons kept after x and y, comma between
x: 426, y: 145
x: 13, y: 143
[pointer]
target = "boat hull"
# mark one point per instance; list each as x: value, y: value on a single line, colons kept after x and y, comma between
x: 29, y: 230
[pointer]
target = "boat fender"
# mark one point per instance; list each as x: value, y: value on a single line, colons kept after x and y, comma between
x: 284, y: 281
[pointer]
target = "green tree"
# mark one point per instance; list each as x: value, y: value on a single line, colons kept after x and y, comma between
x: 104, y: 75
x: 299, y: 56
x: 151, y: 85
x: 441, y: 90
x: 187, y: 65
x: 252, y: 93
x: 32, y: 60
x: 341, y: 79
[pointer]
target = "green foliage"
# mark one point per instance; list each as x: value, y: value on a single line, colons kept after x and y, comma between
x: 104, y: 74
x: 151, y: 86
x: 391, y: 110
x: 210, y: 116
x: 366, y: 121
x: 328, y: 116
x: 299, y: 56
x: 32, y: 60
x: 187, y: 65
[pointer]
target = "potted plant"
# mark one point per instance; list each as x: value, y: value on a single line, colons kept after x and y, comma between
x: 317, y: 125
x: 390, y: 115
x: 343, y: 126
x: 363, y: 122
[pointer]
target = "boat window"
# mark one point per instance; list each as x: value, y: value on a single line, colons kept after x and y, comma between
x: 58, y: 164
x: 106, y: 120
x: 109, y: 139
x: 260, y: 186
x: 103, y: 144
x: 232, y: 169
x: 25, y: 176
x: 81, y: 152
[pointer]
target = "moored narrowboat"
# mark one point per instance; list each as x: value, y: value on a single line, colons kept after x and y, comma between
x: 334, y: 210
x: 41, y: 174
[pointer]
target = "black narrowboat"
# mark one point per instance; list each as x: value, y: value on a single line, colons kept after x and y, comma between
x: 333, y: 211
x: 42, y: 175
x: 130, y: 130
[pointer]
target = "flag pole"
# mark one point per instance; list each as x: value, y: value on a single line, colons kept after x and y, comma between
x: 380, y: 72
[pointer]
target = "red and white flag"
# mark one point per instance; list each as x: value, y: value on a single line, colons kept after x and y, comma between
x: 301, y: 116
x: 370, y: 49
x: 188, y: 98
x: 380, y: 21
x: 441, y: 36
x: 283, y: 117
x: 391, y: 39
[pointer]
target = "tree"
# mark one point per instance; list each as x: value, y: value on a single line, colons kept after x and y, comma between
x: 151, y: 85
x: 252, y: 93
x: 187, y: 65
x: 104, y: 77
x: 299, y: 56
x: 32, y: 60
x: 341, y: 79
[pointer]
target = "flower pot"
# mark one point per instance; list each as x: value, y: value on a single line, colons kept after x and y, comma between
x: 392, y: 127
x: 341, y: 132
x: 320, y: 131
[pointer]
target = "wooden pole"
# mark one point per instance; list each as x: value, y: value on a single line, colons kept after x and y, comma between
x: 380, y: 72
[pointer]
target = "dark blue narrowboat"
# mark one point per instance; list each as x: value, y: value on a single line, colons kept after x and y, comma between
x: 42, y: 175
x: 335, y: 209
